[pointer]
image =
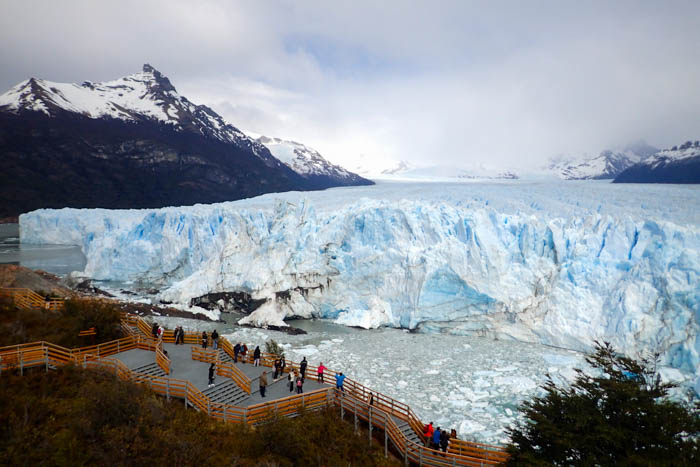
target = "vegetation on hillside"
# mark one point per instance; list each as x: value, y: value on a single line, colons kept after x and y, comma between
x: 82, y: 417
x: 60, y: 327
x: 620, y: 417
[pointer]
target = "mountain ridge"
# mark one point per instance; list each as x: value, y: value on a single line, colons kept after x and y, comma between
x: 133, y: 142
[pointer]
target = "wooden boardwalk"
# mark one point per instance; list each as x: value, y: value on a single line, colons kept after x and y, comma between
x: 181, y: 372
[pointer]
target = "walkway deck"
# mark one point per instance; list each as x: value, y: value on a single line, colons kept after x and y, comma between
x: 183, y: 367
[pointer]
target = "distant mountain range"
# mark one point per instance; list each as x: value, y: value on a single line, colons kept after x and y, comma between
x: 607, y: 165
x: 679, y: 164
x: 309, y: 163
x: 132, y: 143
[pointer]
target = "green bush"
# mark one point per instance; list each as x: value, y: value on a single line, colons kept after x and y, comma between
x: 272, y: 347
x: 621, y: 417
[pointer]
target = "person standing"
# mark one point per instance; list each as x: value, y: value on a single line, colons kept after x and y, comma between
x: 204, y: 340
x: 300, y: 384
x: 215, y: 339
x: 339, y: 378
x: 444, y: 440
x: 236, y: 350
x: 161, y: 331
x: 290, y: 378
x: 263, y: 383
x: 320, y: 371
x: 154, y: 330
x: 428, y: 433
x: 256, y: 356
x: 282, y: 365
x: 436, y: 439
x: 211, y: 375
x: 302, y: 368
x: 277, y: 369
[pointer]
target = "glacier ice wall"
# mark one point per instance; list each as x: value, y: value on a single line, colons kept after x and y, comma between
x: 439, y: 266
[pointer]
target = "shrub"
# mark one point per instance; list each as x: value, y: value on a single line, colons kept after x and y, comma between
x: 621, y: 417
x: 272, y: 347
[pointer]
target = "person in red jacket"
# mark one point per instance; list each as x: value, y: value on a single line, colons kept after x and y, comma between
x: 428, y: 433
x: 319, y: 371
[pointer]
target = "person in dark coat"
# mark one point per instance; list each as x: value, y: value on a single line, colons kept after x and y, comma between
x: 277, y: 369
x: 444, y: 440
x: 204, y: 340
x: 282, y: 365
x: 263, y: 383
x: 302, y: 368
x: 211, y: 375
x: 256, y: 356
x: 215, y: 339
x: 154, y: 330
x: 236, y: 351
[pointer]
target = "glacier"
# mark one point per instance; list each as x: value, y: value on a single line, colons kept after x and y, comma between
x: 556, y: 263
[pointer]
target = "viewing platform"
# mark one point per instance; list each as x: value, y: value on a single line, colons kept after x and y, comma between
x: 182, y: 372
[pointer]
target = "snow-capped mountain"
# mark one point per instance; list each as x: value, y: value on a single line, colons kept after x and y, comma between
x: 679, y: 164
x: 129, y: 143
x: 309, y: 163
x: 144, y: 96
x: 607, y: 165
x: 405, y: 171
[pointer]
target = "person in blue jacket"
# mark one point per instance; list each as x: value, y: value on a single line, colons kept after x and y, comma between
x: 339, y: 378
x: 436, y: 438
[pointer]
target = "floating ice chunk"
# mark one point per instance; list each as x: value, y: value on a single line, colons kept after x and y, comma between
x: 307, y: 350
x: 337, y: 341
x: 376, y: 314
x: 401, y: 384
x: 560, y: 360
x: 672, y: 375
x: 507, y: 368
x: 516, y: 383
x: 434, y: 398
x: 432, y: 372
x: 470, y: 427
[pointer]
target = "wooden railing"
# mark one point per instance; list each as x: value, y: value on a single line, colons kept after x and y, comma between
x: 27, y: 299
x: 162, y: 361
x: 355, y: 399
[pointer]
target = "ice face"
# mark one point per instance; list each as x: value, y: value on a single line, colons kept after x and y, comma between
x: 557, y: 264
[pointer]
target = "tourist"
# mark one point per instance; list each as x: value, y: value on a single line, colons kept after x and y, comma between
x: 319, y: 372
x: 277, y: 369
x: 256, y: 356
x: 263, y: 383
x: 453, y: 434
x: 204, y: 340
x: 302, y: 368
x: 444, y: 440
x: 371, y: 398
x: 244, y: 352
x: 176, y: 334
x: 436, y: 438
x: 160, y: 331
x: 154, y: 330
x: 182, y: 335
x: 339, y: 378
x: 236, y: 350
x: 211, y: 375
x: 428, y: 433
x: 282, y: 365
x: 290, y: 378
x: 300, y: 384
x: 215, y: 339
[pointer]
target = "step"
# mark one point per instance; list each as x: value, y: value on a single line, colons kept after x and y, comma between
x: 152, y: 369
x: 226, y: 392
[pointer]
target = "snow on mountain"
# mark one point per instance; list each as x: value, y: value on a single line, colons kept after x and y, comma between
x: 147, y: 95
x: 306, y: 161
x: 555, y: 263
x: 404, y: 170
x: 607, y: 165
x: 680, y: 164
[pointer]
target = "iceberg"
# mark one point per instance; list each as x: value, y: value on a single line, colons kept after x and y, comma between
x: 536, y: 262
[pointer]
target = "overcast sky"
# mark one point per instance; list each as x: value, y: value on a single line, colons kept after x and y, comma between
x: 506, y: 84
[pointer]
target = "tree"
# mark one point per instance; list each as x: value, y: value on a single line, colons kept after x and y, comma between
x: 272, y: 347
x: 620, y: 417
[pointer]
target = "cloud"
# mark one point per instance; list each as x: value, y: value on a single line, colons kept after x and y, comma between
x: 450, y: 82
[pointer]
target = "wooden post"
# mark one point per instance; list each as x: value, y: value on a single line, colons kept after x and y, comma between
x: 370, y: 425
x: 342, y: 410
x: 355, y: 416
x: 46, y: 358
x: 386, y: 442
x: 167, y: 389
x: 420, y: 456
x: 225, y: 414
